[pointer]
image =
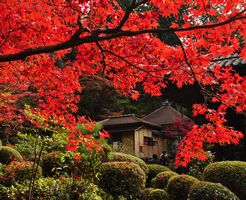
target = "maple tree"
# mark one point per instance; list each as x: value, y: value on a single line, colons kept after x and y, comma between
x: 120, y: 44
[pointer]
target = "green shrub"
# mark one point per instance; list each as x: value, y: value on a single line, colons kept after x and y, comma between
x: 18, y: 171
x: 7, y: 154
x: 155, y: 169
x: 55, y: 163
x: 231, y: 174
x: 55, y: 189
x: 122, y: 157
x: 145, y: 193
x: 3, y: 192
x: 178, y: 186
x: 196, y: 167
x: 122, y: 178
x: 58, y: 163
x: 161, y: 179
x: 210, y: 191
x: 158, y: 194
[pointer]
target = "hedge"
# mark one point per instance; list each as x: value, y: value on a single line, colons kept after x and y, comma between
x: 161, y: 179
x: 155, y: 169
x: 210, y: 191
x: 158, y: 194
x: 231, y: 174
x: 8, y: 153
x: 122, y: 178
x: 122, y: 157
x: 178, y: 186
x: 145, y: 193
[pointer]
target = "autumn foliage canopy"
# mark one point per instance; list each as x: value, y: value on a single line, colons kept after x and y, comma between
x: 119, y: 42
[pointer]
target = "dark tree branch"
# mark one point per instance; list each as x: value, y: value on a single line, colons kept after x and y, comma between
x: 192, y: 71
x: 103, y: 57
x: 132, y: 65
x: 108, y: 34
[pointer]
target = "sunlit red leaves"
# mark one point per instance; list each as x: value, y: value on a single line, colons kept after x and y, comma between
x: 141, y: 59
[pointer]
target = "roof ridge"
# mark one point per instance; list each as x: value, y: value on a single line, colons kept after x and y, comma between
x: 124, y: 115
x: 155, y: 111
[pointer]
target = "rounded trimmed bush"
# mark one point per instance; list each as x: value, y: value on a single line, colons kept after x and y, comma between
x: 145, y: 193
x: 18, y: 171
x: 158, y: 194
x: 122, y: 178
x: 155, y: 169
x: 210, y: 191
x: 161, y: 179
x: 231, y: 174
x: 122, y: 157
x: 178, y: 186
x: 7, y: 154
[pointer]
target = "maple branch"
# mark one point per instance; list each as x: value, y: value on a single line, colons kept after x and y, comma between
x: 126, y: 16
x: 75, y: 40
x: 132, y: 65
x: 192, y: 70
x: 103, y: 57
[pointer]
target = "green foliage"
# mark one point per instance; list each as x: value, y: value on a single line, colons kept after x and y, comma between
x: 210, y: 191
x: 3, y: 192
x: 56, y: 164
x: 178, y: 186
x: 157, y: 194
x: 196, y: 167
x: 26, y: 144
x: 18, y: 172
x: 119, y: 157
x: 55, y: 189
x: 122, y: 178
x: 161, y: 179
x: 231, y: 174
x: 155, y: 169
x: 145, y: 193
x: 7, y: 154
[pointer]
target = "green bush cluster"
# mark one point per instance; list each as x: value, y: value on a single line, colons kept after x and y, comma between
x: 155, y: 169
x: 18, y: 172
x: 52, y: 189
x: 158, y: 194
x: 231, y: 174
x: 210, y: 191
x: 122, y: 157
x: 122, y: 178
x: 145, y: 193
x: 161, y: 179
x: 178, y: 186
x: 7, y: 154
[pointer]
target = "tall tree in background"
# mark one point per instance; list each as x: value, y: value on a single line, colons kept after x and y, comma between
x: 120, y: 44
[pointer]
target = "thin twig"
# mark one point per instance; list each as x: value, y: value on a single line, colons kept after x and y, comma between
x: 103, y: 57
x: 33, y: 169
x: 132, y: 65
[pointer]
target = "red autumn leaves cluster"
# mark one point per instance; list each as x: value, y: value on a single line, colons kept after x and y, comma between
x: 120, y: 45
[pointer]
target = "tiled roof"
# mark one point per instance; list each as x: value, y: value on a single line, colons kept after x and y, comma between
x: 164, y: 115
x: 231, y: 60
x: 127, y: 120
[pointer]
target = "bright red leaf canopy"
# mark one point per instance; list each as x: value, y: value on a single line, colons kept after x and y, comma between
x: 120, y: 44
